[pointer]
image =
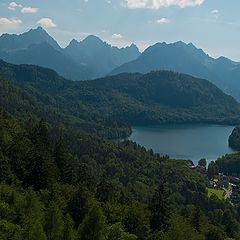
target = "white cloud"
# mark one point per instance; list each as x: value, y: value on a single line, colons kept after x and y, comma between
x: 163, y: 21
x: 29, y: 10
x: 156, y: 4
x: 9, y: 22
x: 13, y: 5
x: 215, y: 11
x: 46, y: 23
x: 117, y: 36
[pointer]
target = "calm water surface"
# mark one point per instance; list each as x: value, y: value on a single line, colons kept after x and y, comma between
x: 191, y: 142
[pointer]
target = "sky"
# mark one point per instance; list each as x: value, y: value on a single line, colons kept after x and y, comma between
x: 213, y: 25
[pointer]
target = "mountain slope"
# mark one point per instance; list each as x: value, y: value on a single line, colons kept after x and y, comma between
x: 162, y: 97
x: 20, y: 96
x: 186, y: 58
x: 158, y: 97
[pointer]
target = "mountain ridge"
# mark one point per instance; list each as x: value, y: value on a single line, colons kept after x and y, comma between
x: 99, y: 55
x: 84, y: 62
x: 12, y: 42
x: 188, y: 59
x: 93, y: 58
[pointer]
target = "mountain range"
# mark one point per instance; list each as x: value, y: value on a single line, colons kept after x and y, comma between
x: 186, y: 58
x: 93, y: 58
x: 99, y: 56
x: 88, y: 59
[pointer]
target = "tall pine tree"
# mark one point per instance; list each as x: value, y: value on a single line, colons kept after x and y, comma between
x: 54, y: 225
x: 159, y: 207
x: 93, y: 226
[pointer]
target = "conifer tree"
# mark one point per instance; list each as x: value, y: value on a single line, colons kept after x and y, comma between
x: 116, y: 232
x: 36, y: 231
x: 32, y: 224
x: 196, y: 219
x: 93, y: 226
x: 68, y: 233
x: 6, y: 175
x: 65, y: 162
x: 54, y: 225
x: 159, y: 208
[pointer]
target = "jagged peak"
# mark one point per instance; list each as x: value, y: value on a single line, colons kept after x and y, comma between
x: 38, y: 30
x: 179, y: 43
x: 223, y: 59
x: 32, y: 30
x: 33, y: 36
x: 93, y: 38
x: 133, y: 46
x: 73, y: 42
x: 191, y: 45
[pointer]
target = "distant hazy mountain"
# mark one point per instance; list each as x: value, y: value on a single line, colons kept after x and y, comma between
x: 88, y: 59
x: 186, y: 58
x: 11, y: 42
x: 102, y: 57
x: 45, y: 55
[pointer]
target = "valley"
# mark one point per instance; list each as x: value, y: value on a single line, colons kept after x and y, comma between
x: 99, y: 142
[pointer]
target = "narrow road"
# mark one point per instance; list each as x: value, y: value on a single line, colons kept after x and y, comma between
x: 228, y: 192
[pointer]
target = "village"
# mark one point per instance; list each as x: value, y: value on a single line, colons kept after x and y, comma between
x: 219, y: 185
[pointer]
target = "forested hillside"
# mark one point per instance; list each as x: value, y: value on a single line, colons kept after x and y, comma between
x: 100, y: 190
x: 230, y: 163
x: 119, y: 101
x: 234, y: 139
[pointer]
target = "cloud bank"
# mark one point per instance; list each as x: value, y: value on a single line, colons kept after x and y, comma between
x: 157, y: 4
x: 9, y: 22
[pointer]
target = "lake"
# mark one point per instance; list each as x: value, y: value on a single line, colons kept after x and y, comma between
x: 190, y: 142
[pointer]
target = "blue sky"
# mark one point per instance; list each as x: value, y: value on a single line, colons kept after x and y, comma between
x: 213, y: 25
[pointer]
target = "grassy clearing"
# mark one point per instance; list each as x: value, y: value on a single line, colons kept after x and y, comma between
x: 219, y: 193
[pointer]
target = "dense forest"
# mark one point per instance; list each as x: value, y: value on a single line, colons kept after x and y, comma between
x: 234, y: 139
x: 104, y: 190
x: 63, y: 179
x: 110, y: 105
x: 229, y: 164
